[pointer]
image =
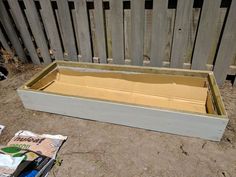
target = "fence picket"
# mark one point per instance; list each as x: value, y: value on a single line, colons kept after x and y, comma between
x: 117, y: 31
x: 4, y: 42
x: 227, y: 49
x: 206, y: 33
x: 83, y: 30
x: 159, y: 32
x: 100, y: 30
x: 137, y: 31
x: 37, y: 30
x: 67, y: 30
x: 22, y: 27
x: 181, y: 33
x: 51, y: 28
x: 8, y: 26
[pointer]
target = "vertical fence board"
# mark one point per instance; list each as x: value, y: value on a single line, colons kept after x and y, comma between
x: 108, y: 33
x: 37, y: 30
x: 206, y: 33
x: 83, y: 30
x: 227, y: 47
x: 67, y: 30
x: 51, y: 28
x: 117, y: 31
x: 159, y: 32
x: 181, y: 33
x: 73, y: 13
x: 137, y: 31
x: 22, y: 27
x: 100, y: 30
x: 9, y: 28
x: 4, y: 42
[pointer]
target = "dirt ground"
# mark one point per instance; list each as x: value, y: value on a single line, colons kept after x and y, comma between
x: 107, y: 150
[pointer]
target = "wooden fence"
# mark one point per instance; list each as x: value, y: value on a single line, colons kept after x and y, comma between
x: 190, y: 34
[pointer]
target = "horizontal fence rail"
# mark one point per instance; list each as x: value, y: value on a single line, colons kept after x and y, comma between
x: 189, y: 34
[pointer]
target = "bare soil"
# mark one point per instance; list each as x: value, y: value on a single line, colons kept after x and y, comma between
x: 107, y: 150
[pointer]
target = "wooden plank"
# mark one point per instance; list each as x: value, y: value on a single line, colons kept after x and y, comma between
x: 181, y: 33
x: 117, y: 31
x: 83, y: 30
x: 227, y: 47
x: 9, y: 28
x: 51, y: 28
x: 159, y: 32
x: 206, y: 33
x: 22, y: 27
x: 187, y: 124
x: 137, y: 31
x: 108, y: 32
x: 4, y: 42
x: 127, y: 33
x: 73, y: 13
x: 100, y: 30
x: 37, y: 30
x: 147, y: 35
x: 67, y: 30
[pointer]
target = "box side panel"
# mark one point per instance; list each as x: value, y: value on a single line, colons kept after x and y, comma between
x: 153, y: 119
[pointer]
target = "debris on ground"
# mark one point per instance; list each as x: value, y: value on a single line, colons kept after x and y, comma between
x: 1, y: 128
x: 29, y: 155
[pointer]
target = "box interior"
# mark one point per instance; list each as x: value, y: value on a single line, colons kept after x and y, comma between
x: 175, y: 92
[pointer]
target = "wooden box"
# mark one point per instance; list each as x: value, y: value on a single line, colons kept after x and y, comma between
x: 183, y: 102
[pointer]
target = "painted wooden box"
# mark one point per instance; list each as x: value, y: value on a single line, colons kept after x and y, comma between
x: 183, y: 102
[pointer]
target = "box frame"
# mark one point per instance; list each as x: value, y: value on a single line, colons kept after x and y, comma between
x: 206, y: 126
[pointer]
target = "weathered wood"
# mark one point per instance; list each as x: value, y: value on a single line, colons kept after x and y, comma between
x: 209, y: 126
x: 37, y: 30
x: 83, y: 30
x: 147, y: 34
x: 4, y: 42
x: 93, y: 36
x: 9, y: 28
x: 22, y: 27
x: 73, y: 13
x: 108, y: 32
x: 51, y: 28
x: 127, y: 33
x: 67, y: 30
x: 227, y: 47
x: 117, y: 31
x: 100, y: 30
x: 159, y: 32
x: 137, y: 31
x: 181, y: 33
x: 206, y: 33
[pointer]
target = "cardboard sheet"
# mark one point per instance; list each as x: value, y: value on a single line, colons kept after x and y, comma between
x: 179, y: 92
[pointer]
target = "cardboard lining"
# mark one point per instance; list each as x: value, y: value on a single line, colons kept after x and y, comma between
x: 155, y: 90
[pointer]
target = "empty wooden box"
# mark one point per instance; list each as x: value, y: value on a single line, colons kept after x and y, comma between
x: 183, y: 102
